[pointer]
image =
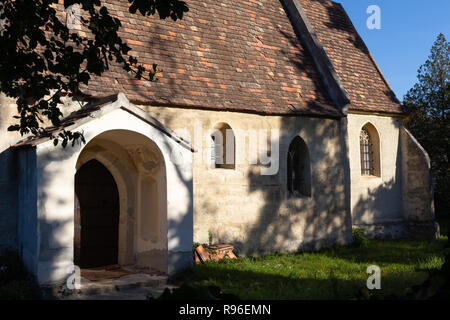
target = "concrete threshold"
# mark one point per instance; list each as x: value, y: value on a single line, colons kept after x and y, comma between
x: 138, y: 286
x: 128, y: 282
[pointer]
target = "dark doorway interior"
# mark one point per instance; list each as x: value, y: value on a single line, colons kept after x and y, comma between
x: 96, y: 217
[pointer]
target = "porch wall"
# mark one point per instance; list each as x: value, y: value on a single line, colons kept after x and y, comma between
x: 56, y: 170
x: 28, y: 225
x: 9, y: 181
x: 8, y: 176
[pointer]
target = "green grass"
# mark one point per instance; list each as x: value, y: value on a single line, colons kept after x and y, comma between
x: 338, y: 273
x: 444, y: 224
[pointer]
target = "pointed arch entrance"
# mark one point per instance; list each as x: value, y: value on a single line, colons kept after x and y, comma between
x: 122, y: 194
x: 152, y: 170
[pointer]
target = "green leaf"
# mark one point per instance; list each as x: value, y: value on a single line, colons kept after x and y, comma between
x: 15, y: 127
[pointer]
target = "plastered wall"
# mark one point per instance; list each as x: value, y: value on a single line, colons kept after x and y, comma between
x: 376, y: 201
x: 52, y: 220
x: 251, y: 210
x: 8, y: 177
x: 399, y: 202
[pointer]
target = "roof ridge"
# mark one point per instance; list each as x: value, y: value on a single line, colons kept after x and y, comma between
x: 363, y: 80
x: 307, y: 33
x: 208, y: 62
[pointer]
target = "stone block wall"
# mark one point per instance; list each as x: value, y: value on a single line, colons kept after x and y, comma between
x: 399, y: 202
x: 418, y: 204
x: 253, y: 211
x: 377, y: 200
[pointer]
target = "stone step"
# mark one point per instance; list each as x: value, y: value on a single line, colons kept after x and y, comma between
x: 128, y: 282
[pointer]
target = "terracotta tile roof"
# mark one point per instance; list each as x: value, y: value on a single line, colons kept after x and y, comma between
x: 245, y: 56
x: 366, y: 86
x: 226, y: 55
x: 94, y: 110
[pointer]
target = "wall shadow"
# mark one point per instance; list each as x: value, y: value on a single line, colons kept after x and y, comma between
x: 9, y: 182
x: 382, y: 205
x: 287, y: 223
x: 299, y: 284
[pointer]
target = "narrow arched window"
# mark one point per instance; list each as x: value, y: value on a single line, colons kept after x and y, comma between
x: 366, y: 153
x: 223, y: 147
x: 298, y: 169
x: 369, y: 151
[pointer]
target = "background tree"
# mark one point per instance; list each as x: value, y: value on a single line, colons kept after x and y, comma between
x: 429, y: 122
x: 429, y: 101
x: 42, y: 59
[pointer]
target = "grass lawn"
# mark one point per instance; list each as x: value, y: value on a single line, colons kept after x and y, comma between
x: 338, y: 273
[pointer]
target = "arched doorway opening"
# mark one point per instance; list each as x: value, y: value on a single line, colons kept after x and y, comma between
x: 97, y: 212
x: 136, y: 168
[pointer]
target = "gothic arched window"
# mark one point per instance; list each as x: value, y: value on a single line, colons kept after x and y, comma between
x: 298, y: 169
x: 366, y: 153
x: 223, y: 147
x: 369, y: 151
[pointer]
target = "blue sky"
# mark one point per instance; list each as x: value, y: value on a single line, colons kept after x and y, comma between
x: 408, y: 30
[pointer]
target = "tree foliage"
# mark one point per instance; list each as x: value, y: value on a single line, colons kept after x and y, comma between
x: 42, y: 59
x: 429, y: 101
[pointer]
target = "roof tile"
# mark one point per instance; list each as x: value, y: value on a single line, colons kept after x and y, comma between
x: 226, y: 55
x: 245, y: 56
x: 366, y: 86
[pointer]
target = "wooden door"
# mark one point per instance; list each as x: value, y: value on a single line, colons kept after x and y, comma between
x: 96, y: 217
